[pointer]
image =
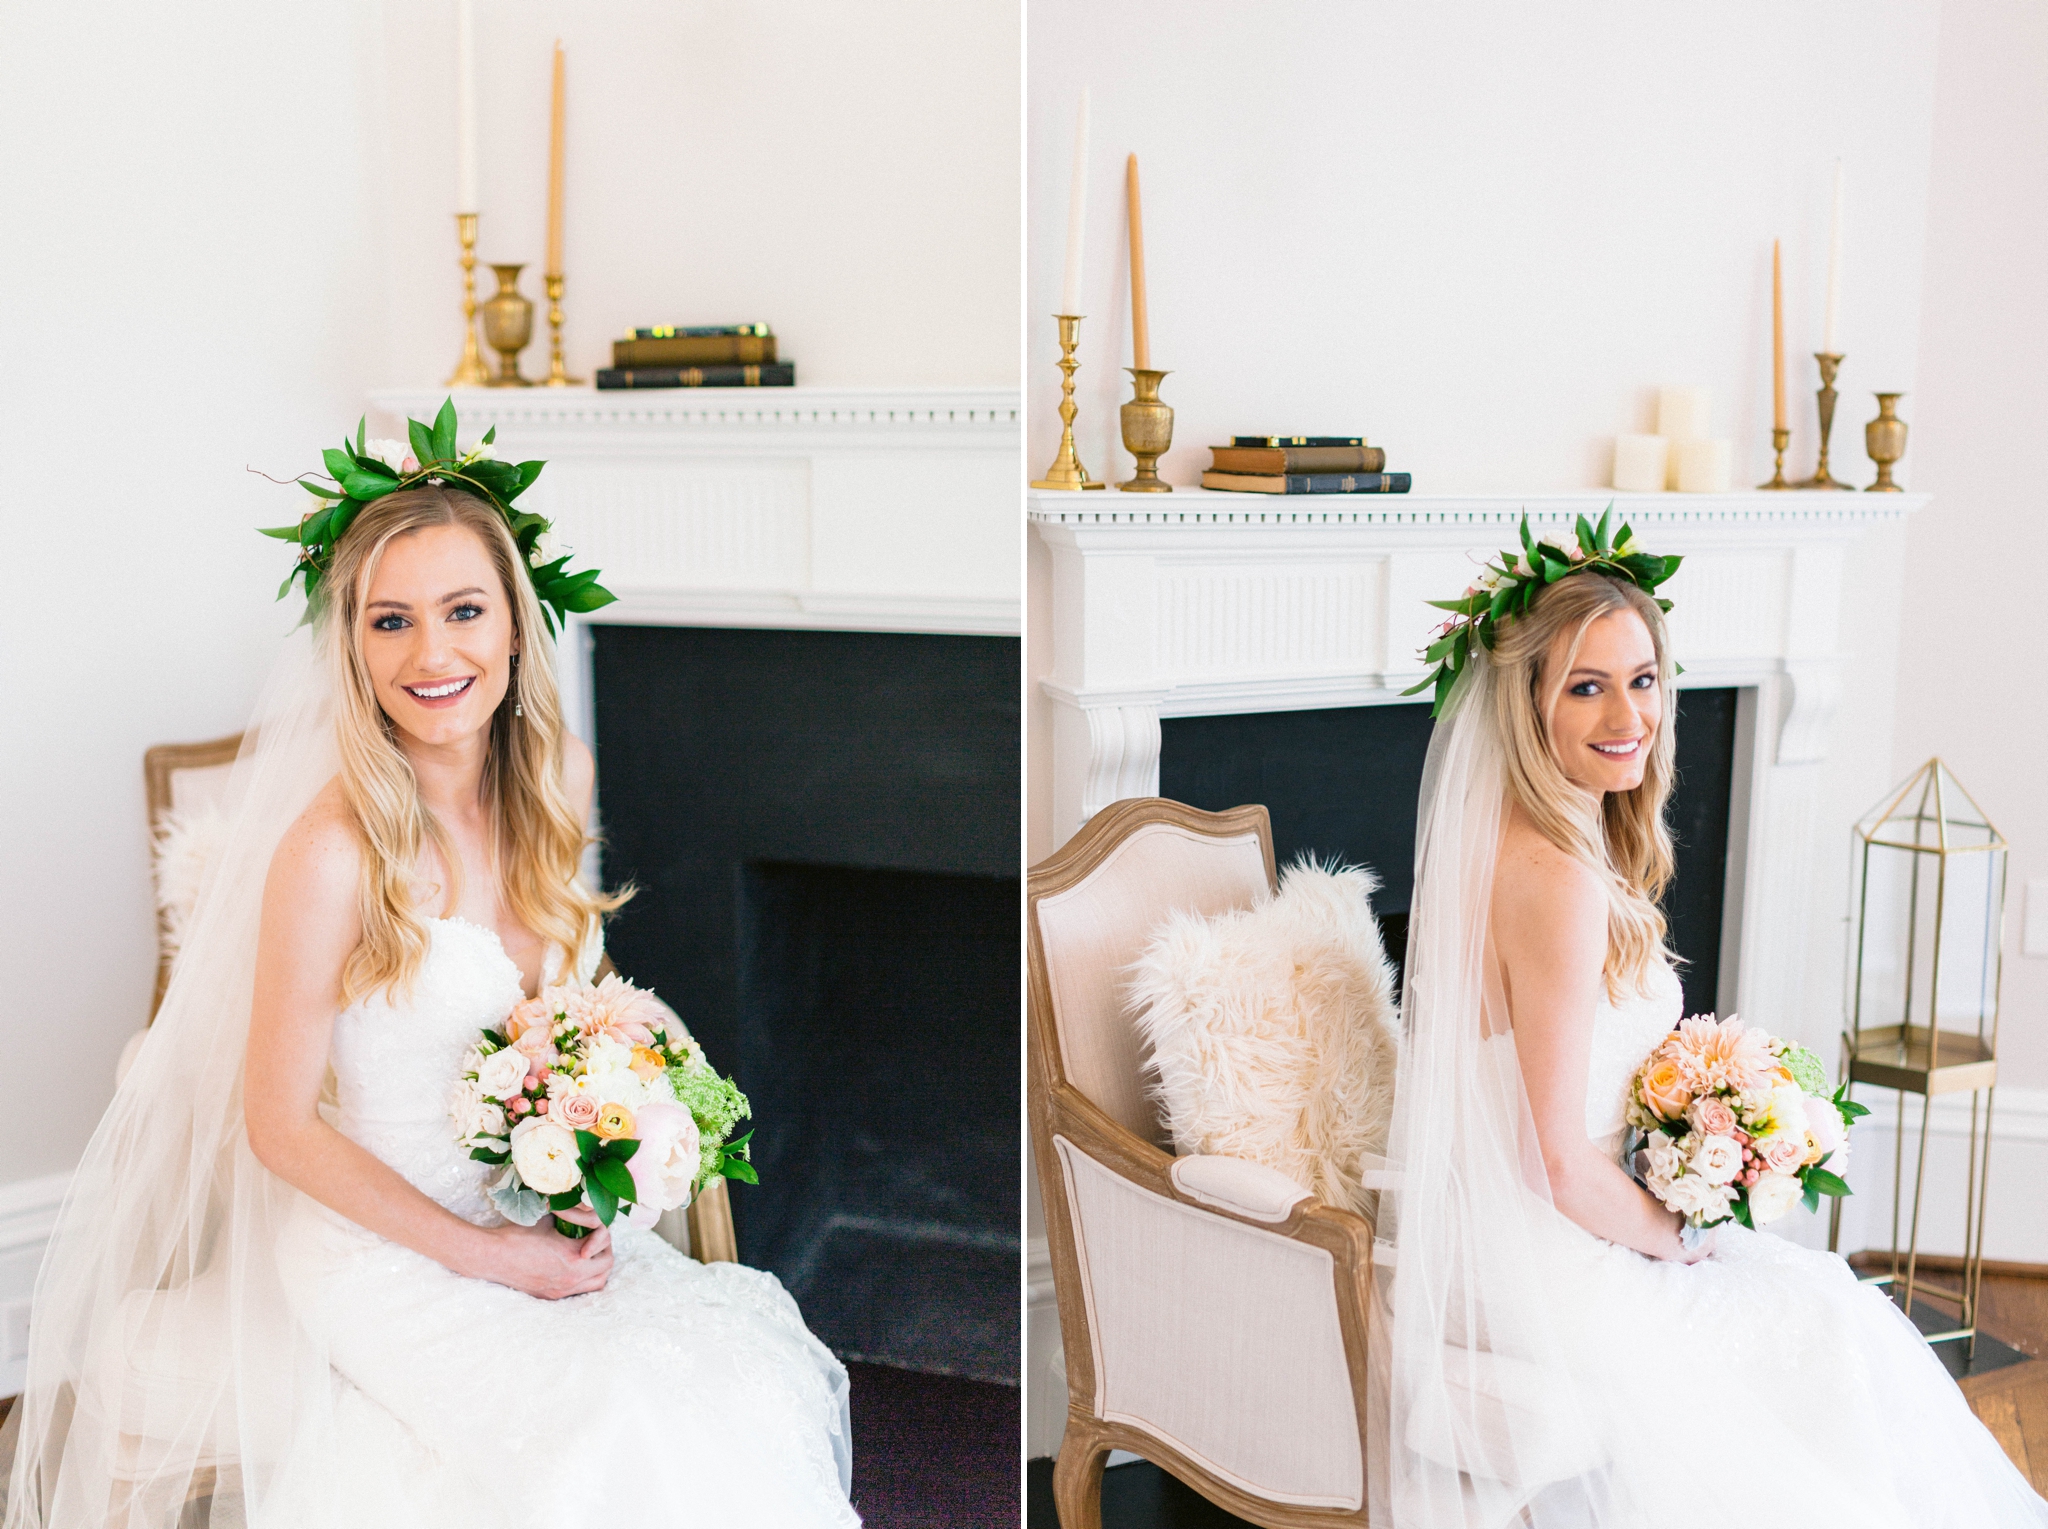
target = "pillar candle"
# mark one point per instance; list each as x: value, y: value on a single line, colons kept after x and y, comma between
x: 1777, y: 340
x: 465, y: 106
x: 1682, y: 415
x: 1705, y: 467
x: 1141, y: 329
x: 1827, y: 343
x: 1077, y: 213
x: 1639, y: 463
x: 554, y: 266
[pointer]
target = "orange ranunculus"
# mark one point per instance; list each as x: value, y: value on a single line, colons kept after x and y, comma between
x: 1664, y: 1089
x: 613, y: 1122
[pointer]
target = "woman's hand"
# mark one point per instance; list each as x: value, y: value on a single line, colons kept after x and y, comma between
x: 542, y: 1262
x: 1702, y: 1248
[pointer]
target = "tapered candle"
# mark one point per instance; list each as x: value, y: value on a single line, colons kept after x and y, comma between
x: 1777, y: 339
x: 1827, y: 343
x: 1141, y: 331
x: 1077, y: 213
x: 465, y: 106
x: 555, y: 171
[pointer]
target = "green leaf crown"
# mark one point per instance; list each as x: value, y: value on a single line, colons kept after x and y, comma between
x: 361, y: 474
x: 1508, y: 589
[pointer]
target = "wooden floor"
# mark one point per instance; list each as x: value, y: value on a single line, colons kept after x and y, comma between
x: 2012, y: 1401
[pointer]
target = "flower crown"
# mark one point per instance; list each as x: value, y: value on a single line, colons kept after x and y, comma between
x: 1510, y: 589
x: 368, y: 470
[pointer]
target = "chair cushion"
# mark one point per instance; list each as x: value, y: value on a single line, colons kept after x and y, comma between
x: 1273, y: 1032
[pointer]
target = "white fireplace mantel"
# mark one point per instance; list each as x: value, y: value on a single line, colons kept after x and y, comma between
x: 867, y: 509
x: 1205, y: 603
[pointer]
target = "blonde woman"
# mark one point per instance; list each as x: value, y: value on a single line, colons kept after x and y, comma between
x: 279, y: 1295
x: 1559, y: 1349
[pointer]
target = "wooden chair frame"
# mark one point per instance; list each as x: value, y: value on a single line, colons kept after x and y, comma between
x: 712, y: 1239
x: 1057, y: 1107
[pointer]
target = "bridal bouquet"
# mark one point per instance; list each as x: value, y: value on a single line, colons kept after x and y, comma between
x: 589, y: 1100
x: 1737, y: 1124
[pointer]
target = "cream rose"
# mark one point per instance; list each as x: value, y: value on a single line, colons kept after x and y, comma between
x: 392, y: 454
x: 1662, y: 1159
x: 1696, y: 1199
x: 577, y: 1111
x: 545, y: 1155
x: 1771, y: 1196
x: 502, y: 1074
x: 1664, y: 1089
x: 466, y: 1109
x: 1717, y: 1159
x: 1711, y: 1115
x: 1783, y: 1153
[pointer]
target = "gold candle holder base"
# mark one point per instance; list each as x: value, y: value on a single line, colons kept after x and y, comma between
x: 1148, y: 431
x: 558, y: 376
x: 1779, y: 440
x: 469, y: 371
x: 1821, y: 477
x: 1066, y: 470
x: 1885, y: 439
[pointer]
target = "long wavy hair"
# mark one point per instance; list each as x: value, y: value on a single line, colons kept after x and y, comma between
x: 537, y: 839
x: 1623, y: 836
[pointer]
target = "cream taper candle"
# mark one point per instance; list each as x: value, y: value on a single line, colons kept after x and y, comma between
x: 1141, y: 328
x: 465, y: 106
x: 1077, y: 213
x: 555, y: 111
x: 1827, y: 343
x: 1777, y: 340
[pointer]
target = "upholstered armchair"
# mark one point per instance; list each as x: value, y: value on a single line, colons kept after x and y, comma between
x: 1214, y: 1316
x: 185, y: 781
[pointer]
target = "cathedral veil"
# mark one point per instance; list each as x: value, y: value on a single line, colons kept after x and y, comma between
x: 165, y: 1363
x: 1487, y: 1425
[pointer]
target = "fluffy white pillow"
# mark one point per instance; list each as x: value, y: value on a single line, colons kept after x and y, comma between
x: 187, y: 844
x: 1274, y: 1031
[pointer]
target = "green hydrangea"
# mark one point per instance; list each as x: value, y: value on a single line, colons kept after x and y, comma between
x: 716, y: 1104
x: 1806, y: 1070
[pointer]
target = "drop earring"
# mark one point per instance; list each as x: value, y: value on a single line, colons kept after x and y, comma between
x: 518, y: 706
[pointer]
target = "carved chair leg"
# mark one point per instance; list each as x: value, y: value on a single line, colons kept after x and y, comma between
x: 1077, y: 1476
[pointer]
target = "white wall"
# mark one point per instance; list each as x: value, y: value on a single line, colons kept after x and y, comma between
x: 226, y: 223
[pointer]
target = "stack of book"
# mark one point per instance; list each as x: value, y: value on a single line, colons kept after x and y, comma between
x: 1302, y: 464
x: 697, y: 356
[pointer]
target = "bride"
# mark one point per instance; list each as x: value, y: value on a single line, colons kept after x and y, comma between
x: 278, y: 1294
x: 1558, y: 1350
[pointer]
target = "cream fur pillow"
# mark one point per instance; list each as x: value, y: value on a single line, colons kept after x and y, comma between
x: 1274, y: 1031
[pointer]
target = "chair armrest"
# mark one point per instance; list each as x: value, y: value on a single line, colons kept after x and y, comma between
x: 1238, y: 1185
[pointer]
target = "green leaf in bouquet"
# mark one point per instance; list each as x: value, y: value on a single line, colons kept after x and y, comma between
x: 610, y: 1174
x: 1809, y: 1197
x: 571, y: 1228
x: 586, y: 1145
x: 486, y: 1155
x: 518, y: 1204
x: 602, y: 1200
x: 1827, y: 1183
x: 743, y: 1171
x: 568, y: 1199
x: 1742, y: 1213
x: 621, y: 1150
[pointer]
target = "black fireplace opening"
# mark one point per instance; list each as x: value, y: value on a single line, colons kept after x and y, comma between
x: 823, y: 828
x: 1343, y: 783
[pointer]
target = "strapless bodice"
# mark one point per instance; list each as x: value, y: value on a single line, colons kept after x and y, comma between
x: 1623, y: 1034
x: 396, y: 1058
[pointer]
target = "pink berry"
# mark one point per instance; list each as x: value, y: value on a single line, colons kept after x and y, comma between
x: 540, y: 1106
x: 522, y: 1106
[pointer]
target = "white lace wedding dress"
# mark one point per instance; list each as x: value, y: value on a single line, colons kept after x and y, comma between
x: 1844, y: 1414
x: 681, y: 1394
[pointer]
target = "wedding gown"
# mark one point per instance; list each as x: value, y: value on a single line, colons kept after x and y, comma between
x: 680, y: 1394
x: 1770, y: 1387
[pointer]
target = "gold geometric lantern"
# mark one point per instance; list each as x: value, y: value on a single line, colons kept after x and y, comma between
x: 1922, y: 999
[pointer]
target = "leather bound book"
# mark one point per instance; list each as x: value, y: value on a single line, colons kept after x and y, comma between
x: 1308, y: 483
x: 695, y: 350
x: 695, y: 331
x: 1298, y: 459
x: 1297, y: 440
x: 780, y: 374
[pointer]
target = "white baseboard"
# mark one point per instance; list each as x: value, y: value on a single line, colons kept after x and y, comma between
x: 28, y: 1214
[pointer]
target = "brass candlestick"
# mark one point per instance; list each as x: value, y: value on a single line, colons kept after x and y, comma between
x: 469, y: 371
x: 1885, y: 439
x: 1779, y: 439
x: 1066, y: 470
x: 1148, y: 431
x: 558, y: 376
x: 1821, y: 477
x: 508, y: 325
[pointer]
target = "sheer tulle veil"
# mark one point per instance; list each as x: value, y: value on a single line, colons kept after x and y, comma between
x: 1485, y: 1423
x: 164, y: 1360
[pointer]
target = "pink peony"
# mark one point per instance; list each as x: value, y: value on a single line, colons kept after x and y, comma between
x: 1711, y: 1117
x: 666, y: 1164
x: 576, y: 1111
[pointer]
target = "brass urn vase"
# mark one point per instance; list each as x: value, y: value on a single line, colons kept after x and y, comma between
x: 1885, y: 439
x: 1148, y: 431
x: 508, y: 325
